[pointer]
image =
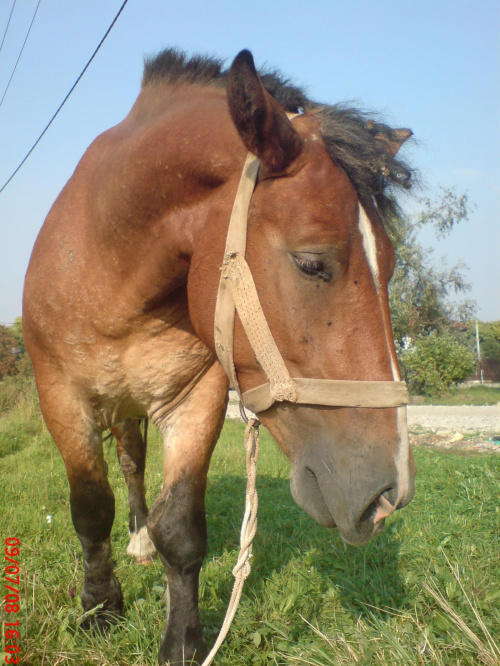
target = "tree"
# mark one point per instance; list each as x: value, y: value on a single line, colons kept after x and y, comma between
x: 429, y: 324
x: 421, y: 293
x: 489, y: 339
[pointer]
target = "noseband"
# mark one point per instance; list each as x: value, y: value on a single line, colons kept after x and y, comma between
x: 237, y: 293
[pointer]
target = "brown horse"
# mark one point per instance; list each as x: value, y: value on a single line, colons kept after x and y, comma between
x: 120, y: 298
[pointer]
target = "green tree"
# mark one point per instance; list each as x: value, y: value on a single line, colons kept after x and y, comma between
x: 489, y: 338
x: 422, y: 294
x: 429, y: 321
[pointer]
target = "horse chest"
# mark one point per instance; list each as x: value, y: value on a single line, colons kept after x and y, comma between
x: 147, y: 373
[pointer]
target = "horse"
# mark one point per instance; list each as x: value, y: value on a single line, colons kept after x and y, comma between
x: 121, y: 295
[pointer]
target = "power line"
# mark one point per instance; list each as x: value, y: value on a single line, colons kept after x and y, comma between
x: 66, y: 98
x: 20, y: 52
x: 8, y: 23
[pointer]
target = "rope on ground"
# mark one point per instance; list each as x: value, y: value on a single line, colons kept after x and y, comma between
x: 242, y: 568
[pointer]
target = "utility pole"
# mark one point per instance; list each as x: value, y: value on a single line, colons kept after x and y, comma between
x: 478, y: 349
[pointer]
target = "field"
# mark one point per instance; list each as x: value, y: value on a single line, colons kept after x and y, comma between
x: 426, y: 591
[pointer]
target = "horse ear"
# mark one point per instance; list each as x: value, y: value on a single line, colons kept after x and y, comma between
x: 393, y: 145
x: 261, y: 122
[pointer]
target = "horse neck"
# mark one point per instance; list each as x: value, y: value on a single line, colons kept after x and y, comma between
x: 194, y: 162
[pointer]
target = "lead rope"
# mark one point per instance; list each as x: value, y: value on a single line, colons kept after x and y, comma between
x: 242, y: 568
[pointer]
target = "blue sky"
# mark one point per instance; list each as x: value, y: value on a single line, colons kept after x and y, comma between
x: 433, y: 66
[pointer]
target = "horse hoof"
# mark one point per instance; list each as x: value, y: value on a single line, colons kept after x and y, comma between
x: 103, y: 607
x: 183, y: 655
x: 145, y: 561
x: 101, y: 621
x: 141, y: 547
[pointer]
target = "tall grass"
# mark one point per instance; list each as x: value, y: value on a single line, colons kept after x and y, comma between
x: 426, y: 591
x: 20, y: 417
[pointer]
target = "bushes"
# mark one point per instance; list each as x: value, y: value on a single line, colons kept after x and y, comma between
x: 18, y: 391
x: 8, y: 351
x: 19, y: 408
x: 436, y: 362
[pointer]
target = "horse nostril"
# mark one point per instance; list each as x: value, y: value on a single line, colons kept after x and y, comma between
x: 310, y: 474
x: 368, y: 513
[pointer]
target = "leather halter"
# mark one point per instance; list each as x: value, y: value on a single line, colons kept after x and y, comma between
x: 237, y: 292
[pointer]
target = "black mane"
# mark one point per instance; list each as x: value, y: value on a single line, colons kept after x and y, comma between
x: 354, y: 140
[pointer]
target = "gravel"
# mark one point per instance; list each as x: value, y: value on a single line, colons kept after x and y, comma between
x: 464, y: 419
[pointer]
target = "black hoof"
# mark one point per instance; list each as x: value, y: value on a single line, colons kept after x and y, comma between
x: 110, y: 600
x: 101, y: 621
x: 190, y: 653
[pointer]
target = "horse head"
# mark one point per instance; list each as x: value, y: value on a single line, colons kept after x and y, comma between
x: 321, y: 261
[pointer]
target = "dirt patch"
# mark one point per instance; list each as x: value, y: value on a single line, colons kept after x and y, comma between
x: 455, y: 441
x: 466, y: 428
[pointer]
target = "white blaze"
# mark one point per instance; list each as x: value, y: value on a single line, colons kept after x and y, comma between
x: 402, y: 459
x: 369, y: 245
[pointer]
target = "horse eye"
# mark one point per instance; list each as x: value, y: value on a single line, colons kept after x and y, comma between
x: 310, y: 265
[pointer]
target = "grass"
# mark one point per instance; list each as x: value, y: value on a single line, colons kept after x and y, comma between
x: 21, y: 420
x: 471, y: 395
x: 426, y: 591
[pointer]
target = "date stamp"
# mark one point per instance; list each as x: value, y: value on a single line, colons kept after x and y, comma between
x: 11, y: 598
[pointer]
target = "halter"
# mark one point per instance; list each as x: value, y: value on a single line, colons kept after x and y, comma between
x: 237, y: 292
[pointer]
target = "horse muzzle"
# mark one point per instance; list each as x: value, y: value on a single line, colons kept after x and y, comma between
x: 356, y: 499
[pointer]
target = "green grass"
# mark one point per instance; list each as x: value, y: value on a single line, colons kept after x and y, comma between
x: 426, y: 591
x: 472, y: 395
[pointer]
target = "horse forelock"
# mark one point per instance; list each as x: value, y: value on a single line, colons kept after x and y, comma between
x: 355, y: 139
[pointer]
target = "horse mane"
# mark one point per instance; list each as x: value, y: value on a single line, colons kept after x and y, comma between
x: 356, y: 141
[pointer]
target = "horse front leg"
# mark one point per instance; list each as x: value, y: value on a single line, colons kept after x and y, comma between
x: 176, y: 522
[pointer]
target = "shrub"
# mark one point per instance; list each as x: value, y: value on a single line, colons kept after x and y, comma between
x: 24, y: 366
x: 21, y: 418
x: 20, y: 393
x: 436, y: 362
x: 8, y: 350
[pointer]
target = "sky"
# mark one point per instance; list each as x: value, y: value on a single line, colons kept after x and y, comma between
x: 432, y: 66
